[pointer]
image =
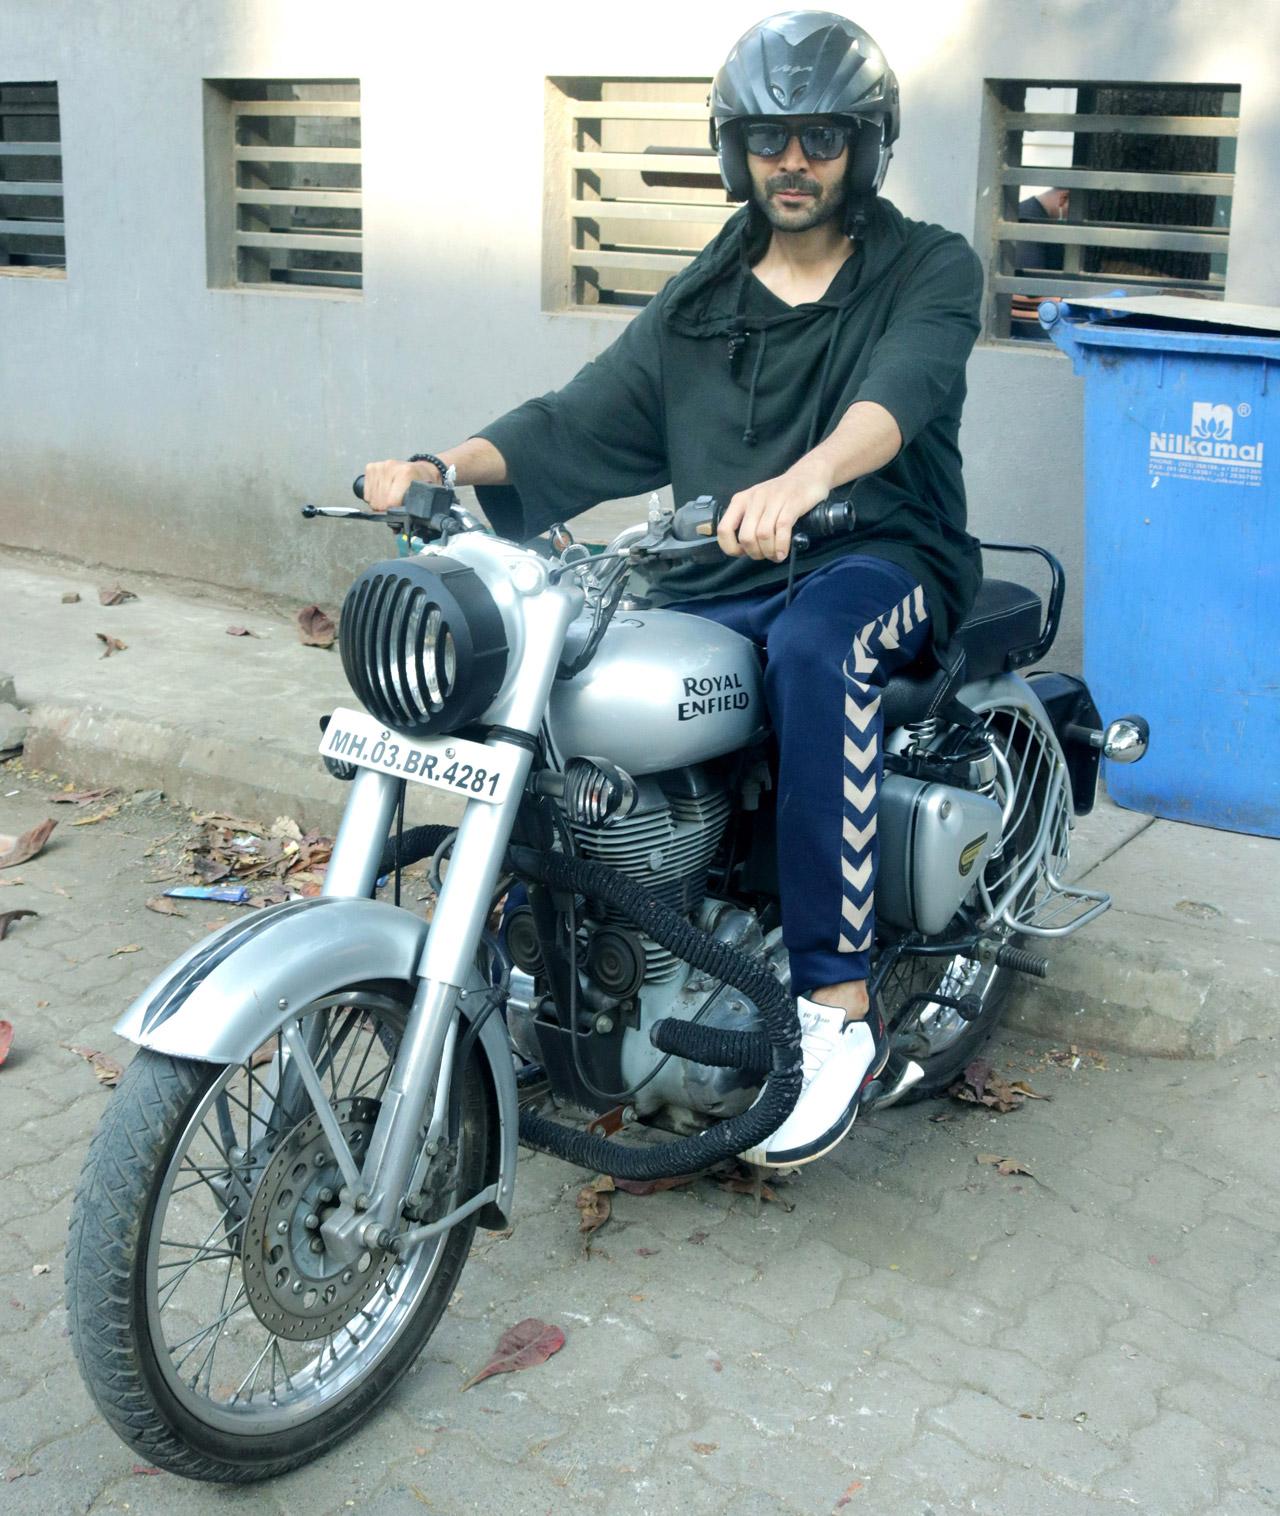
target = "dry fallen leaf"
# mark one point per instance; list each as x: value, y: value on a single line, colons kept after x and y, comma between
x: 594, y: 1205
x: 103, y: 815
x: 7, y: 918
x: 115, y: 594
x: 113, y: 645
x: 740, y: 1180
x: 70, y: 597
x: 6, y: 1039
x: 1005, y: 1165
x: 163, y: 906
x: 315, y: 627
x: 704, y: 1447
x: 653, y: 1186
x: 106, y: 1069
x: 28, y: 845
x: 1023, y: 1088
x: 523, y: 1346
x: 132, y: 947
x: 240, y: 631
x: 981, y: 1085
x: 79, y: 797
x: 850, y: 1490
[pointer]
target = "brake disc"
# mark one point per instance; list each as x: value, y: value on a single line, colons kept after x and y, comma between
x: 295, y: 1290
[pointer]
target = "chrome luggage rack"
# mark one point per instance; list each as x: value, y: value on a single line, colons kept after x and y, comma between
x: 1024, y: 890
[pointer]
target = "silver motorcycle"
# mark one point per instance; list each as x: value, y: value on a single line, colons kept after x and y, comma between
x: 329, y: 1094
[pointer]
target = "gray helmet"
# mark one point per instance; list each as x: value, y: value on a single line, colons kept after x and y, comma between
x: 807, y: 63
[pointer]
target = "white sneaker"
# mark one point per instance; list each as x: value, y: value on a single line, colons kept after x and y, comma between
x: 840, y: 1058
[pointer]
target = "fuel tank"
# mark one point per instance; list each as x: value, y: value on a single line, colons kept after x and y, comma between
x: 664, y: 689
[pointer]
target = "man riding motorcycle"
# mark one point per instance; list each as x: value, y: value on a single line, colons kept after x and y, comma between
x: 818, y: 342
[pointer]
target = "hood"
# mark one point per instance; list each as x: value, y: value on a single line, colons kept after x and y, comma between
x: 702, y: 301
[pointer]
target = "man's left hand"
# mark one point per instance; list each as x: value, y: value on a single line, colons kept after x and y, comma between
x: 758, y: 521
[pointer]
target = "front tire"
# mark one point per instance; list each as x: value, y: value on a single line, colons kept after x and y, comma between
x: 162, y: 1167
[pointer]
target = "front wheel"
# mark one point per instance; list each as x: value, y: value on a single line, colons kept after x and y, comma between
x: 211, y: 1330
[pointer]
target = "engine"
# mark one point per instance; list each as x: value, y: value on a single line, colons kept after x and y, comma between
x: 667, y: 843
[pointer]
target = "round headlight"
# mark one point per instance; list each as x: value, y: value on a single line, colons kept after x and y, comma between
x: 423, y: 644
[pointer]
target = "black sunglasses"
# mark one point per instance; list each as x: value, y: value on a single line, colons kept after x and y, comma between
x: 768, y: 139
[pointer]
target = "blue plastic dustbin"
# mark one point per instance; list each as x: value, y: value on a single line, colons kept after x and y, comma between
x: 1182, y: 552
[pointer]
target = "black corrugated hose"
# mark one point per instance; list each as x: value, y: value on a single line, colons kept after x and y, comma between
x: 718, y: 1047
x: 686, y: 1155
x: 417, y: 843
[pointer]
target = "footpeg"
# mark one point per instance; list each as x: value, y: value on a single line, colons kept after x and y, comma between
x: 1021, y: 962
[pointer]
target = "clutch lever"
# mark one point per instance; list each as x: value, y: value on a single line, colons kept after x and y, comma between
x: 393, y: 518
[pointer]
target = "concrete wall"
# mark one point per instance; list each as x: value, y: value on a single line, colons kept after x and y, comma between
x: 149, y: 421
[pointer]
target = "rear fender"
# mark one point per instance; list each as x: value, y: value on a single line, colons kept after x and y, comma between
x: 223, y: 998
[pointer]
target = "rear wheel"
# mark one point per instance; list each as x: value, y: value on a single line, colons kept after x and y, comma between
x: 215, y: 1335
x: 935, y: 1035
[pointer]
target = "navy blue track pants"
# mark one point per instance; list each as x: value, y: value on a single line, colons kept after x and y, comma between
x: 830, y: 653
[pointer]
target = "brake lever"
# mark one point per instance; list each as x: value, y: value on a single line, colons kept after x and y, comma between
x: 662, y: 546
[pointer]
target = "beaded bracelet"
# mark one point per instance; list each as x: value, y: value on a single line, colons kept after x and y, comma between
x: 448, y: 473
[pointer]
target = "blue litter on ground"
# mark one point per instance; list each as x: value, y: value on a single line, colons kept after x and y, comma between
x: 228, y: 894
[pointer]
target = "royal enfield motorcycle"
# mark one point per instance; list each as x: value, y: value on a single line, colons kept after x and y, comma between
x: 328, y: 1094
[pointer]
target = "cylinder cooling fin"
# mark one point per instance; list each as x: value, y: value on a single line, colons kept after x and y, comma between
x: 423, y: 644
x: 667, y: 843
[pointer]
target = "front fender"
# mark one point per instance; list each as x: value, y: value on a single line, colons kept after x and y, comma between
x: 223, y: 998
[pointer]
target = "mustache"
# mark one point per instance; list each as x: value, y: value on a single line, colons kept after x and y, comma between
x: 780, y: 183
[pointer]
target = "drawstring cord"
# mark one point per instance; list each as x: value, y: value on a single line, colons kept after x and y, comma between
x: 749, y: 431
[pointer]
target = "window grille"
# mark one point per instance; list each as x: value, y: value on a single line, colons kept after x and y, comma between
x: 633, y: 189
x: 284, y: 183
x: 32, y: 236
x: 1149, y: 170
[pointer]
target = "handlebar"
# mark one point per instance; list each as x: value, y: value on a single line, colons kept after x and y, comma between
x: 432, y: 511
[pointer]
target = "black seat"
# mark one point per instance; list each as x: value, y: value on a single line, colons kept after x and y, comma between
x: 1004, y: 616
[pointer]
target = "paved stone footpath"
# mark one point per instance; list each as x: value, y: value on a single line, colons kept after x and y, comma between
x: 920, y: 1334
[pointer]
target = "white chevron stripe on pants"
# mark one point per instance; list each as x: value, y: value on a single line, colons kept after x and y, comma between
x: 859, y: 853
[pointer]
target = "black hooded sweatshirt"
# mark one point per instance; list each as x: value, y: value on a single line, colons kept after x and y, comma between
x: 718, y: 385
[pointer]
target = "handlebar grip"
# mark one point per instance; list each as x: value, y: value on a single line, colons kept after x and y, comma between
x: 829, y: 519
x: 357, y: 486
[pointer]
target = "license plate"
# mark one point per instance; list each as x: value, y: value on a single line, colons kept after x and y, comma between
x: 468, y: 769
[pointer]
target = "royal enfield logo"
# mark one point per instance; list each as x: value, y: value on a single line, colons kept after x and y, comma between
x: 712, y: 693
x: 1209, y: 449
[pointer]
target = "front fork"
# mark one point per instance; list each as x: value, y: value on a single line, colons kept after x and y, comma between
x: 376, y: 1189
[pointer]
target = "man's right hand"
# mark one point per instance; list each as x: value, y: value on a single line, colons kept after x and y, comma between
x: 386, y: 483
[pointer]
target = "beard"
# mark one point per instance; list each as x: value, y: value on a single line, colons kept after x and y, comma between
x: 825, y: 205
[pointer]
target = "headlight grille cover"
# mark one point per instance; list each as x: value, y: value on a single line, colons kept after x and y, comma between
x: 423, y: 644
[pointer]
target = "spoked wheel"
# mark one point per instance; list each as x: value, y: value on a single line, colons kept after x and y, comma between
x: 214, y: 1332
x: 936, y: 1035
